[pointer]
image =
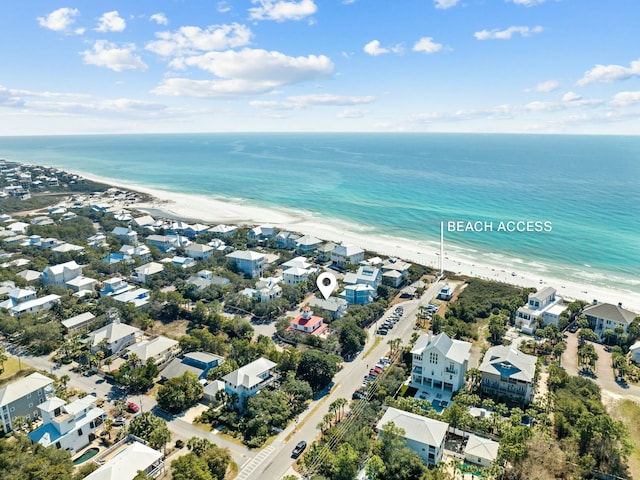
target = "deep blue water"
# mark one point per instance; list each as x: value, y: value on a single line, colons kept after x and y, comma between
x: 403, y: 185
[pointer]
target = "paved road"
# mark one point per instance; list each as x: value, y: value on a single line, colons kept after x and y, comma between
x: 278, y: 463
x: 603, y: 372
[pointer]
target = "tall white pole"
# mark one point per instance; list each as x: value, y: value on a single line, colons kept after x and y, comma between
x: 441, y: 249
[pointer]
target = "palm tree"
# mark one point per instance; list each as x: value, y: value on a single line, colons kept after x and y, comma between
x: 64, y: 379
x: 108, y: 362
x: 99, y: 357
x: 394, y: 344
x: 339, y: 404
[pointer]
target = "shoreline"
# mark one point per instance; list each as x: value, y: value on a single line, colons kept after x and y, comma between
x: 205, y: 209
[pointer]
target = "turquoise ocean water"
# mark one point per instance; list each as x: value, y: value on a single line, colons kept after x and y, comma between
x: 403, y: 185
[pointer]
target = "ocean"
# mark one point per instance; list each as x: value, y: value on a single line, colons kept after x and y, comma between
x: 586, y: 188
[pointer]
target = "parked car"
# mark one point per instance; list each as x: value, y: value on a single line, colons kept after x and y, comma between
x: 119, y: 421
x: 382, y: 331
x: 358, y: 395
x: 133, y: 407
x: 300, y: 447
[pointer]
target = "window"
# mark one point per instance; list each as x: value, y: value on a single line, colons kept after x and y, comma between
x: 58, y: 445
x: 79, y: 432
x: 28, y: 395
x: 433, y: 358
x: 12, y: 409
x: 31, y: 405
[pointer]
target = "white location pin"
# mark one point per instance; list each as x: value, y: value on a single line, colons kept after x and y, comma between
x: 326, y: 283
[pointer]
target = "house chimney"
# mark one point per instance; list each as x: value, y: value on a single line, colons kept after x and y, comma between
x: 595, y: 302
x: 619, y: 304
x: 429, y: 337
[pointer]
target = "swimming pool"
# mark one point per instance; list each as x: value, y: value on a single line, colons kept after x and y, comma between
x: 88, y: 454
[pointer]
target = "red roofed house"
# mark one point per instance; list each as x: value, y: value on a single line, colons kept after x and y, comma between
x: 307, y: 322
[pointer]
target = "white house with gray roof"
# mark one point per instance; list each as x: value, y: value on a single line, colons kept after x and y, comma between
x: 127, y: 464
x: 439, y: 362
x: 542, y: 306
x: 605, y: 316
x: 248, y: 380
x: 508, y: 372
x: 480, y: 451
x: 61, y: 273
x: 423, y: 435
x: 115, y: 335
x: 22, y: 397
x: 347, y: 254
x: 249, y: 262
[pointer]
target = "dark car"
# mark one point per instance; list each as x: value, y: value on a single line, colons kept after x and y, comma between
x: 299, y: 449
x: 573, y: 328
x: 358, y: 395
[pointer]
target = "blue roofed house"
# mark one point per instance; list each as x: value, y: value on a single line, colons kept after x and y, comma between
x: 21, y: 398
x: 68, y: 426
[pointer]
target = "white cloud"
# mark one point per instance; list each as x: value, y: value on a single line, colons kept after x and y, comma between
x: 571, y: 97
x: 352, y: 113
x: 245, y: 72
x: 444, y: 4
x: 427, y: 45
x: 527, y: 3
x: 545, y: 87
x: 625, y: 99
x: 281, y: 10
x: 111, y: 22
x: 507, y: 33
x: 373, y: 48
x: 299, y: 102
x: 188, y: 40
x: 160, y: 18
x: 223, y: 7
x: 59, y: 20
x: 106, y: 54
x: 610, y: 73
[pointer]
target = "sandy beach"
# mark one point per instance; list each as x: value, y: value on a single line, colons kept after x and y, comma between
x: 213, y: 211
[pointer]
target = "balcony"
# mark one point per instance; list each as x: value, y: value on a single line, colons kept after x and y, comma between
x: 451, y: 370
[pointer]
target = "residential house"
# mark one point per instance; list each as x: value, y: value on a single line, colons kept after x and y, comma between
x: 143, y: 273
x: 114, y: 258
x: 97, y: 240
x: 69, y: 426
x: 287, y: 240
x: 164, y: 243
x: 262, y: 234
x: 218, y: 245
x: 211, y: 391
x: 114, y: 286
x: 359, y: 294
x: 30, y: 276
x: 307, y: 244
x: 128, y: 464
x: 605, y: 316
x: 22, y: 397
x: 198, y: 363
x: 248, y: 380
x: 395, y: 272
x: 323, y: 252
x: 138, y: 297
x: 634, y: 350
x: 19, y: 295
x: 249, y: 262
x: 336, y: 306
x: 295, y: 275
x: 347, y: 255
x: 423, y: 435
x: 78, y: 322
x: 446, y: 292
x: 115, y: 336
x: 480, y: 451
x: 307, y: 322
x: 34, y: 305
x: 543, y: 307
x: 161, y: 349
x: 366, y: 275
x: 82, y: 284
x: 65, y: 247
x: 199, y: 251
x: 140, y: 251
x: 125, y: 234
x: 224, y: 231
x: 439, y: 362
x: 61, y: 273
x: 196, y: 229
x: 268, y: 289
x: 182, y: 262
x: 144, y: 221
x: 508, y: 372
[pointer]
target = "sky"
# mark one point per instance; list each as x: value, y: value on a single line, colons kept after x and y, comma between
x: 159, y: 66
